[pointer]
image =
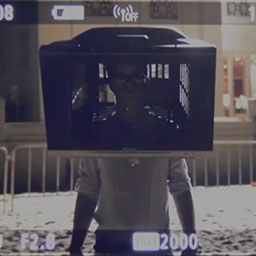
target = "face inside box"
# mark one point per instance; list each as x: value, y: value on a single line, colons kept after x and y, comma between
x: 138, y: 92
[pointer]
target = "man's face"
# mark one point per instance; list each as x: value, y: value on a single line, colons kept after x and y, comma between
x: 127, y: 83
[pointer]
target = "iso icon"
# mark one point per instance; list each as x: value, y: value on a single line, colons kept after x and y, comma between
x: 126, y: 14
x: 146, y: 241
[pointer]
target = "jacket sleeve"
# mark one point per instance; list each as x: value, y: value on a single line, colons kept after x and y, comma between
x: 88, y: 182
x: 178, y: 180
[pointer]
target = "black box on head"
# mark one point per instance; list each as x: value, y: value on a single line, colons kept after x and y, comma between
x: 129, y: 90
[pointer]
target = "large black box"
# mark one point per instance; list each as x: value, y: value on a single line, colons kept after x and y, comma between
x: 179, y: 92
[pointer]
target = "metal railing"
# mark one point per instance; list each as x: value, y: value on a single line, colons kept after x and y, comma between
x: 5, y: 175
x: 43, y: 148
x: 239, y: 144
x: 219, y: 166
x: 241, y: 153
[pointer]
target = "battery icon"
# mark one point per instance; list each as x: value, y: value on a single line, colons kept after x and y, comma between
x: 68, y: 12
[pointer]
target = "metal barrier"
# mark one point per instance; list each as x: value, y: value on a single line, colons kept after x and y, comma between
x: 200, y: 168
x: 43, y: 148
x: 5, y: 175
x: 225, y: 153
x: 239, y: 144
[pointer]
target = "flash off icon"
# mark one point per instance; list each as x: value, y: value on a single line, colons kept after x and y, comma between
x: 126, y: 14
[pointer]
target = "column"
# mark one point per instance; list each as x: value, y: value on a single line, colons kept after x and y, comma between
x: 230, y: 83
x: 247, y: 85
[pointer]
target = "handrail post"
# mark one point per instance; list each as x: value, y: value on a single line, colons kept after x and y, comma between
x: 43, y: 170
x: 217, y: 169
x: 206, y: 172
x: 240, y: 165
x: 251, y: 165
x: 29, y: 170
x: 2, y: 118
x: 194, y: 172
x: 58, y: 175
x: 13, y: 163
x: 71, y: 174
x: 5, y: 179
x: 228, y: 166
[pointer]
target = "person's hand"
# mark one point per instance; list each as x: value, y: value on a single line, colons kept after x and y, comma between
x: 76, y: 254
x: 189, y: 251
x: 75, y: 251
